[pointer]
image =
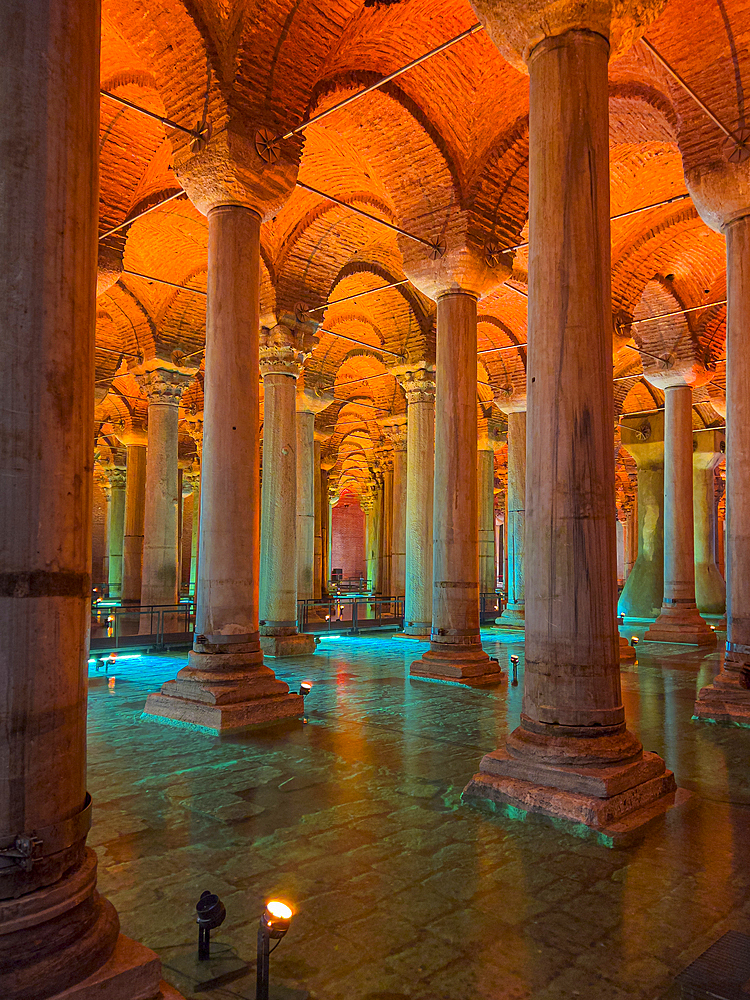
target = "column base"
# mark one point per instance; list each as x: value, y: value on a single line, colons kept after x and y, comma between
x: 456, y: 663
x: 220, y: 692
x: 681, y: 624
x: 727, y: 700
x: 627, y: 652
x: 297, y: 644
x: 614, y: 799
x: 513, y: 616
x: 132, y: 973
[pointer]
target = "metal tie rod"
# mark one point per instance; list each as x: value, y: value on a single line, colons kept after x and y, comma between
x: 736, y: 150
x: 152, y: 114
x: 357, y: 295
x: 379, y: 83
x: 437, y: 247
x: 372, y: 347
x: 151, y: 208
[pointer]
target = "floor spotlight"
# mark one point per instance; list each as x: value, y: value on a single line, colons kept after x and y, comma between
x: 305, y: 688
x: 634, y: 640
x: 514, y: 664
x: 211, y: 913
x: 274, y: 923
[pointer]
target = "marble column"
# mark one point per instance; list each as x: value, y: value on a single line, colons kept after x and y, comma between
x: 395, y: 430
x: 679, y: 620
x: 515, y: 523
x: 134, y: 439
x: 58, y: 936
x: 283, y: 350
x: 226, y: 684
x: 571, y: 757
x: 327, y: 462
x: 194, y: 479
x: 115, y: 529
x: 320, y: 515
x: 631, y: 538
x: 309, y: 402
x: 489, y: 439
x: 643, y: 439
x: 708, y: 453
x: 720, y: 198
x: 455, y: 652
x: 419, y: 387
x: 159, y: 580
x: 385, y: 536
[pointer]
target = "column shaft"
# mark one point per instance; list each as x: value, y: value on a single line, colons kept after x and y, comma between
x: 679, y: 620
x: 135, y: 503
x: 195, y: 540
x: 643, y: 592
x: 398, y: 519
x: 159, y: 581
x: 305, y: 504
x: 420, y: 471
x: 486, y: 520
x: 456, y: 647
x: 116, y: 533
x: 710, y: 592
x: 318, y: 540
x: 515, y: 523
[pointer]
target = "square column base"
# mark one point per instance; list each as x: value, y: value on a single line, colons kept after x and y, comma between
x: 615, y: 802
x: 513, y: 616
x: 627, y: 652
x: 133, y: 972
x: 297, y: 644
x: 161, y: 707
x: 724, y: 701
x: 681, y: 625
x: 456, y: 663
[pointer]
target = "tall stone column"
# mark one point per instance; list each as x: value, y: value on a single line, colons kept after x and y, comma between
x: 515, y: 531
x: 643, y: 439
x: 309, y: 402
x: 455, y: 652
x: 194, y: 480
x: 385, y: 536
x: 572, y: 756
x: 115, y: 529
x: 159, y: 581
x: 710, y: 591
x: 489, y: 439
x: 134, y: 439
x: 327, y: 462
x: 57, y: 935
x: 226, y: 684
x: 679, y: 620
x: 395, y: 430
x: 321, y: 515
x: 419, y: 386
x: 283, y: 350
x: 719, y: 191
x: 631, y: 538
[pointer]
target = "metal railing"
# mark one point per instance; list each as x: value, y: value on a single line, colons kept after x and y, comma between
x: 142, y: 627
x: 350, y: 614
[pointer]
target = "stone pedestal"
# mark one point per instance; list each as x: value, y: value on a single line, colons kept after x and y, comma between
x: 643, y: 439
x: 710, y: 591
x: 225, y: 684
x: 455, y: 652
x: 572, y: 757
x: 513, y: 612
x: 679, y: 620
x: 418, y: 384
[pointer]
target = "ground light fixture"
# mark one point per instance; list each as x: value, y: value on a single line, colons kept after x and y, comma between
x: 634, y: 640
x: 305, y: 688
x: 514, y: 665
x: 210, y: 914
x: 274, y: 923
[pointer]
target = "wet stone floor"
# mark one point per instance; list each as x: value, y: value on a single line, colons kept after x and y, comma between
x: 354, y: 816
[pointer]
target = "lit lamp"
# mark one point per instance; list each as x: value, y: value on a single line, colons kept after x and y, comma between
x: 634, y: 640
x: 514, y: 664
x: 273, y: 924
x: 305, y: 688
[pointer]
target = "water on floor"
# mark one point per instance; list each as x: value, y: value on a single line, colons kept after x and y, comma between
x: 354, y: 816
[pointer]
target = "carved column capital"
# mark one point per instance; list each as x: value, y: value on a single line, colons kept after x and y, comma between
x: 284, y: 348
x: 418, y: 383
x: 395, y: 431
x: 163, y: 386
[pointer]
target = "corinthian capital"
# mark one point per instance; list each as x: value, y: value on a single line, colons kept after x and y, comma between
x: 163, y: 385
x: 418, y: 383
x: 395, y: 430
x: 285, y: 347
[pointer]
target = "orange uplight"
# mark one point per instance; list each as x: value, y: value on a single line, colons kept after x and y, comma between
x: 279, y: 910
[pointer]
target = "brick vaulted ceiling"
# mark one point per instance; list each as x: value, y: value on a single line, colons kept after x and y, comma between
x: 448, y: 140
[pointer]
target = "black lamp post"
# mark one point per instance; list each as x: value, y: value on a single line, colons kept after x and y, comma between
x: 273, y: 924
x: 211, y: 912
